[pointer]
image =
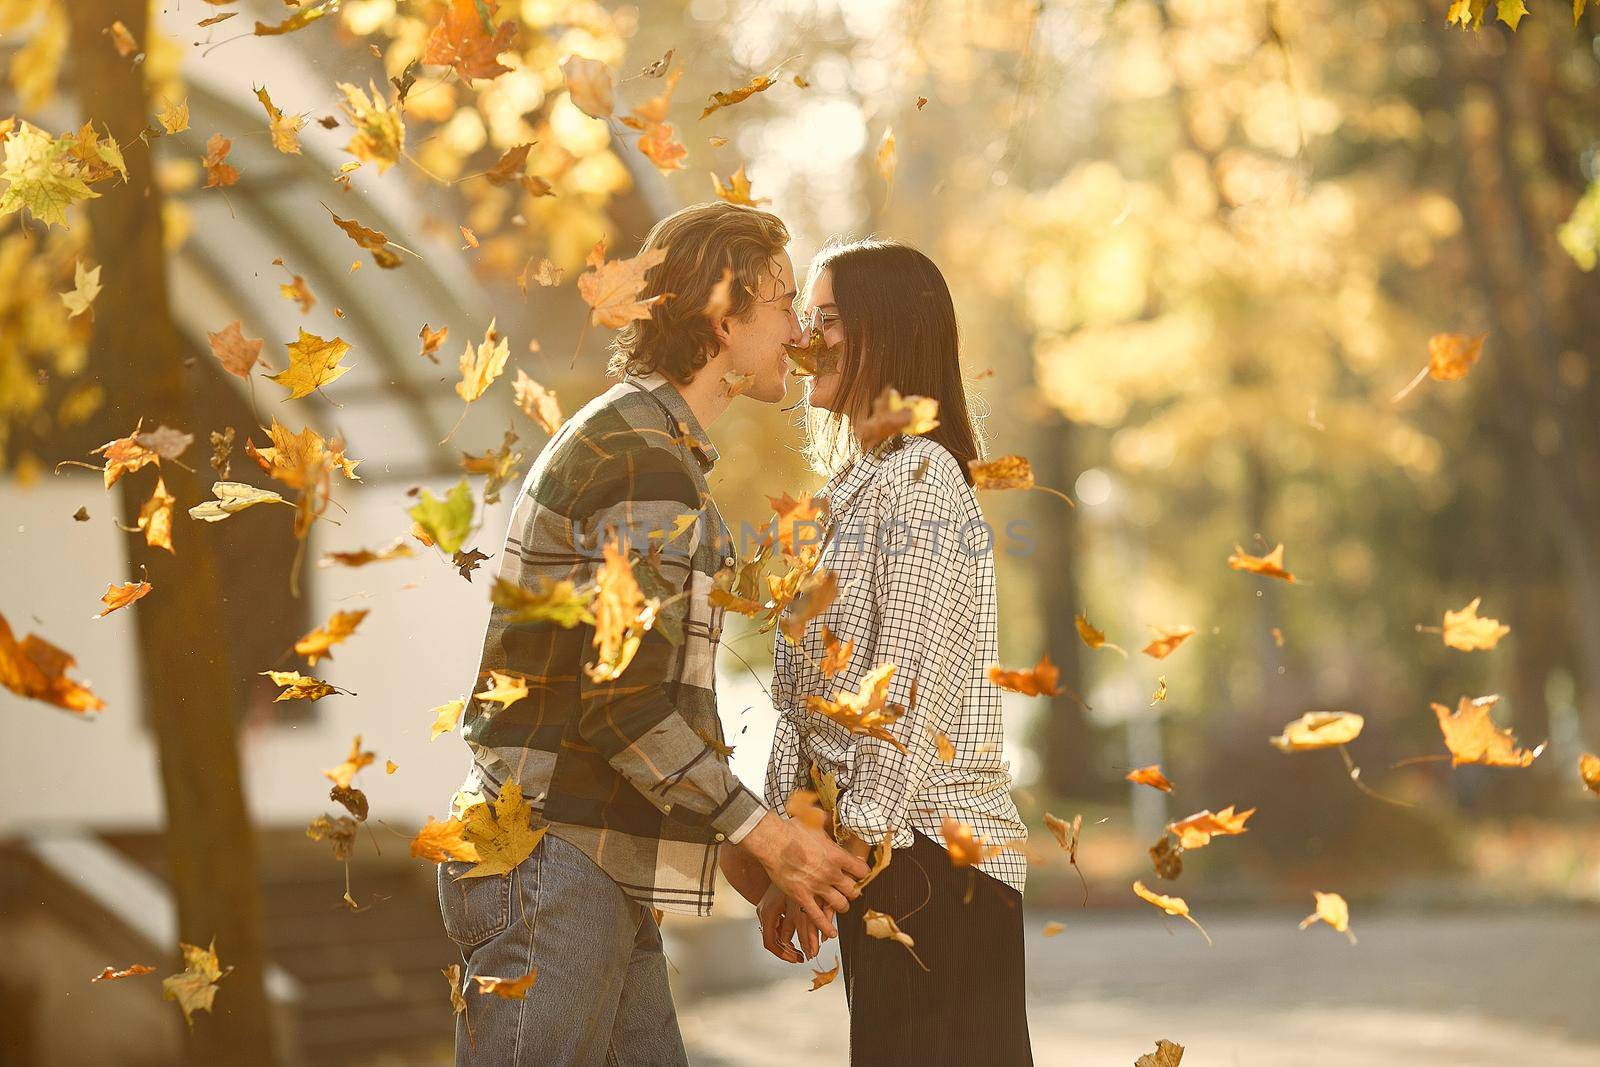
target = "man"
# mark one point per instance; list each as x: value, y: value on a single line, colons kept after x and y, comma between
x: 625, y: 770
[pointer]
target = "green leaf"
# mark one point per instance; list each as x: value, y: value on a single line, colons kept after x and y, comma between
x: 446, y: 521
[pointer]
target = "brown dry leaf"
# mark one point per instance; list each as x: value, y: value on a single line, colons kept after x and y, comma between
x: 893, y: 414
x: 882, y: 926
x: 538, y: 403
x: 759, y: 84
x: 502, y: 834
x: 509, y: 167
x: 1450, y: 357
x: 452, y: 974
x: 36, y: 669
x: 612, y: 288
x: 431, y: 340
x: 340, y: 625
x: 815, y: 356
x: 1197, y: 830
x: 346, y: 771
x: 1002, y: 472
x: 735, y: 384
x: 1042, y: 679
x: 196, y: 986
x: 1166, y: 857
x: 298, y: 686
x: 313, y: 363
x: 303, y: 460
x: 1465, y: 631
x: 1268, y: 566
x: 296, y: 289
x: 836, y: 655
x: 815, y: 595
x: 298, y: 21
x: 864, y: 712
x: 1167, y: 1054
x: 737, y: 191
x: 943, y: 748
x: 120, y: 596
x: 965, y: 847
x: 820, y: 978
x: 1319, y: 729
x: 352, y: 799
x: 1589, y: 771
x: 174, y: 117
x: 468, y: 236
x: 882, y: 852
x: 460, y: 40
x: 1095, y: 639
x: 125, y: 455
x: 1472, y: 737
x: 621, y: 614
x: 111, y: 974
x: 507, y: 988
x: 285, y: 129
x: 1331, y: 909
x: 504, y: 689
x: 396, y: 549
x: 380, y: 128
x: 803, y: 807
x: 237, y: 354
x: 589, y: 84
x: 441, y: 841
x: 658, y: 142
x: 219, y: 173
x: 1171, y: 905
x: 1167, y: 641
x: 155, y: 517
x: 1150, y: 776
x: 1066, y: 833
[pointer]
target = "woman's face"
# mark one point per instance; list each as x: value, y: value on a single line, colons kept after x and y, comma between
x: 820, y: 312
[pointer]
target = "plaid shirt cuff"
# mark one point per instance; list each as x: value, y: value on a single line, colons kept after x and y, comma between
x: 738, y: 815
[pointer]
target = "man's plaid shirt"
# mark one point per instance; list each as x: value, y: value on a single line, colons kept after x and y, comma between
x: 626, y: 770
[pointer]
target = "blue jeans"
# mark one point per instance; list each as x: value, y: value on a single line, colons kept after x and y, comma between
x: 601, y: 996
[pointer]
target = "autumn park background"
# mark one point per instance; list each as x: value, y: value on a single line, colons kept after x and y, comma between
x: 1199, y: 248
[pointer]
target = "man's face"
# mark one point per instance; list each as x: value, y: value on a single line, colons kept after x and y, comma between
x: 820, y: 312
x: 754, y: 344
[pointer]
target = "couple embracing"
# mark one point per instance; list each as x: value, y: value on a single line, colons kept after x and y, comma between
x: 641, y: 807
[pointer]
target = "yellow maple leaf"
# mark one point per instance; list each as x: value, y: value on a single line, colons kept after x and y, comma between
x: 285, y: 129
x: 1150, y: 776
x: 613, y: 288
x: 36, y: 669
x: 441, y: 841
x: 621, y: 614
x: 504, y: 689
x: 1042, y: 679
x: 302, y: 460
x: 895, y: 414
x: 380, y: 130
x: 1268, y: 566
x: 1472, y: 737
x: 346, y: 771
x: 1095, y: 639
x: 1319, y: 729
x: 298, y: 686
x: 865, y: 711
x: 174, y: 117
x: 820, y: 977
x: 318, y: 643
x: 85, y: 287
x: 196, y: 986
x: 887, y: 157
x: 537, y: 402
x: 1331, y: 909
x: 120, y: 596
x: 1465, y: 631
x: 503, y: 834
x: 1171, y: 905
x: 313, y: 363
x: 1167, y: 1054
x: 737, y: 191
x: 1197, y: 830
x: 41, y: 176
x: 480, y: 368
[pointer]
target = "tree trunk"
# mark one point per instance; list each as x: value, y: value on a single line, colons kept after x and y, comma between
x: 136, y: 352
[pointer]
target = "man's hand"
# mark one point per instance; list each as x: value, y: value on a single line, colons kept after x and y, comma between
x: 776, y: 914
x: 806, y: 866
x: 743, y: 872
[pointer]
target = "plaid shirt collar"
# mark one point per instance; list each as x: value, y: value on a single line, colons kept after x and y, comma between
x: 695, y: 436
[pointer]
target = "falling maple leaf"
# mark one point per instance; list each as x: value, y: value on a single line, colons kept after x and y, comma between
x: 298, y: 686
x: 174, y: 117
x: 1465, y: 631
x: 506, y: 988
x: 458, y: 1002
x: 375, y: 241
x: 820, y: 977
x: 1161, y: 690
x: 461, y: 40
x: 122, y: 39
x: 85, y: 287
x: 1052, y: 928
x: 236, y: 353
x: 1319, y: 729
x: 803, y: 806
x: 285, y: 130
x: 1150, y: 776
x: 887, y: 158
x: 340, y: 832
x: 814, y: 356
x: 318, y: 643
x: 895, y: 414
x: 1171, y: 905
x: 613, y: 288
x: 219, y: 173
x: 1331, y: 909
x: 943, y: 747
x: 36, y: 669
x: 479, y: 368
x: 1197, y: 830
x: 882, y: 926
x: 346, y: 771
x: 1042, y: 679
x: 836, y: 654
x: 380, y: 129
x: 759, y: 84
x: 864, y: 712
x: 504, y: 689
x: 1451, y: 355
x: 509, y: 167
x: 1167, y: 1054
x: 111, y: 974
x: 196, y: 986
x: 233, y: 497
x: 313, y: 363
x: 295, y: 289
x: 41, y: 176
x: 1167, y: 641
x: 1472, y: 737
x: 125, y: 455
x: 813, y: 597
x: 1268, y: 566
x: 445, y: 717
x: 396, y: 549
x: 1095, y: 639
x: 555, y: 600
x: 503, y: 834
x: 446, y: 522
x: 965, y: 847
x: 588, y: 83
x: 120, y: 596
x: 621, y: 614
x: 1589, y: 771
x: 441, y: 841
x: 298, y: 21
x: 431, y: 340
x: 737, y: 191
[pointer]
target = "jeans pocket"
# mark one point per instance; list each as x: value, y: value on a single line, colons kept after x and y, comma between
x: 474, y: 909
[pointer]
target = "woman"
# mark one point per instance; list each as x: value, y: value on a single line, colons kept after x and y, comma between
x: 913, y: 557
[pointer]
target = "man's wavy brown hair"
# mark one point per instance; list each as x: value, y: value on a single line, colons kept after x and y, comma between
x: 701, y: 241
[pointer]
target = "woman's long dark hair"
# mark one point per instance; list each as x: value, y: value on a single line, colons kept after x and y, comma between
x: 900, y: 331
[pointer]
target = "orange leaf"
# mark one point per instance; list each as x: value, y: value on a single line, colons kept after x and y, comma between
x: 613, y: 288
x: 441, y: 841
x: 1268, y: 566
x: 1465, y: 631
x: 1589, y: 770
x: 111, y: 975
x: 1319, y: 729
x: 1167, y: 641
x: 820, y: 978
x: 1094, y: 638
x: 120, y: 596
x: 1331, y: 909
x: 1040, y: 680
x: 340, y: 625
x: 1197, y: 830
x: 737, y: 191
x: 36, y: 669
x: 1150, y: 776
x: 1472, y: 737
x: 461, y: 40
x: 1171, y: 905
x: 507, y: 988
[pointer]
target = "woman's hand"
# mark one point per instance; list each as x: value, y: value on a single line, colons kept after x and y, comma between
x: 776, y: 915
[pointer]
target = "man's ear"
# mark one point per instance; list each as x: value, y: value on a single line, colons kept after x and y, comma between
x: 719, y: 329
